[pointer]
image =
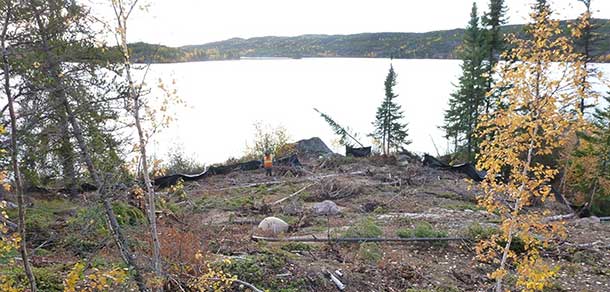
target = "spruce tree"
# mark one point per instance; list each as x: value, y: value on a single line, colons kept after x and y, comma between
x: 389, y: 131
x: 492, y: 23
x: 589, y: 172
x: 468, y: 101
x: 587, y: 37
x: 345, y: 137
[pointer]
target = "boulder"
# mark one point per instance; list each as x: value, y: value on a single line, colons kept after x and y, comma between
x: 273, y: 225
x: 313, y: 147
x: 293, y: 207
x: 326, y: 208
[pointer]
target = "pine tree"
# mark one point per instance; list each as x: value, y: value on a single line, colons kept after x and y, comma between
x: 468, y: 101
x: 389, y: 131
x: 345, y: 137
x: 588, y: 178
x: 492, y: 22
x: 585, y: 32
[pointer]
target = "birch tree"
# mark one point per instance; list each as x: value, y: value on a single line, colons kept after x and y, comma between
x: 8, y: 8
x: 122, y: 11
x: 539, y: 115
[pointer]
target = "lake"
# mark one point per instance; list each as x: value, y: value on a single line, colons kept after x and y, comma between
x: 224, y: 98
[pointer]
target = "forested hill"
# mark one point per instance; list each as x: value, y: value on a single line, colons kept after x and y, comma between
x: 431, y: 45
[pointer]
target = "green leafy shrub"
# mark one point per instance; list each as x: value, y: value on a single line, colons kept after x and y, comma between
x: 421, y: 230
x: 48, y: 278
x: 478, y: 232
x: 366, y: 228
x: 127, y: 214
x: 43, y: 214
x: 87, y: 228
x: 238, y: 202
x: 370, y: 252
x: 179, y: 162
x: 297, y: 246
x: 601, y: 206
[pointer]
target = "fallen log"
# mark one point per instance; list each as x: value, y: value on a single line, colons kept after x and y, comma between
x: 336, y: 281
x: 592, y: 245
x: 559, y: 218
x: 357, y: 239
x: 248, y: 285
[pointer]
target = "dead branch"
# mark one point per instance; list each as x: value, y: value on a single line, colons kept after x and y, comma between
x: 251, y: 286
x: 336, y: 281
x: 356, y: 239
x: 292, y: 195
x: 248, y: 285
x: 253, y: 185
x: 276, y: 182
x: 558, y: 218
x: 592, y: 245
x: 11, y: 226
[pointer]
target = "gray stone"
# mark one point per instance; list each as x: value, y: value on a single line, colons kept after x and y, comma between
x: 274, y: 225
x: 293, y: 207
x: 313, y: 147
x: 326, y: 208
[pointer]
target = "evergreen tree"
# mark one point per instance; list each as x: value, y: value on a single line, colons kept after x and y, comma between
x: 67, y: 99
x: 345, y: 137
x: 492, y: 22
x: 468, y: 101
x: 586, y: 34
x: 589, y: 172
x: 388, y: 128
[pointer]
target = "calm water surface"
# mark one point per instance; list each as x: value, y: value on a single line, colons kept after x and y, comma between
x: 224, y: 99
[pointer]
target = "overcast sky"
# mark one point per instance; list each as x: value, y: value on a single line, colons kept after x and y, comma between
x: 183, y: 22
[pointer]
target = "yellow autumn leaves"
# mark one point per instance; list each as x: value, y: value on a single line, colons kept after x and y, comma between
x: 97, y: 280
x: 536, y: 117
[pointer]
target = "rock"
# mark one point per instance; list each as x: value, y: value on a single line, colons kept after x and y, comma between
x: 326, y: 208
x: 589, y: 220
x: 406, y: 157
x: 293, y: 207
x: 273, y: 224
x: 313, y: 147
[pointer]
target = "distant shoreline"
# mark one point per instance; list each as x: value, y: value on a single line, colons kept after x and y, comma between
x: 443, y: 45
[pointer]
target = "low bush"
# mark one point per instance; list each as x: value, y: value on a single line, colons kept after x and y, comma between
x: 369, y: 252
x: 421, y: 230
x: 366, y: 228
x: 48, y: 278
x: 297, y: 246
x: 87, y: 228
x: 478, y: 232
